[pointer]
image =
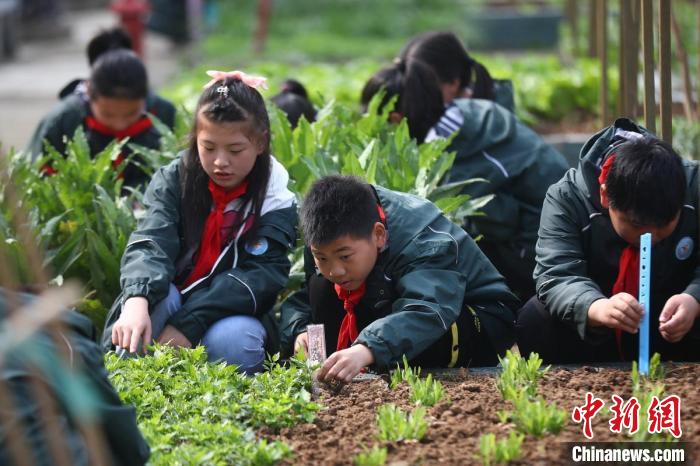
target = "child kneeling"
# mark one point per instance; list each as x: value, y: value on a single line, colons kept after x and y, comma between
x: 388, y: 275
x: 210, y: 254
x: 628, y: 183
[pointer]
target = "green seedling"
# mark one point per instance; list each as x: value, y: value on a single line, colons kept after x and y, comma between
x: 644, y: 388
x: 408, y: 374
x: 426, y: 392
x: 535, y: 417
x: 192, y: 411
x: 376, y: 456
x: 519, y: 374
x: 656, y: 373
x: 502, y: 451
x: 395, y: 425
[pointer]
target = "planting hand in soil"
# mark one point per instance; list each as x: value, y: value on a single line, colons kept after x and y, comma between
x: 134, y: 324
x: 345, y: 364
x: 622, y: 311
x: 388, y: 275
x: 628, y: 183
x: 678, y: 316
x: 211, y: 252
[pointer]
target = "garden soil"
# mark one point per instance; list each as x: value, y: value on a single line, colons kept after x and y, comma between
x: 347, y: 425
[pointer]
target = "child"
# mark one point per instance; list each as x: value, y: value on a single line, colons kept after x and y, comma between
x: 492, y: 144
x: 627, y: 183
x: 114, y: 39
x: 294, y: 101
x: 388, y: 275
x: 72, y: 335
x: 209, y: 257
x: 112, y: 106
x: 460, y: 76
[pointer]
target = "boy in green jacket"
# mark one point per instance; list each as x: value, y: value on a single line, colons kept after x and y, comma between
x: 388, y: 275
x: 627, y: 183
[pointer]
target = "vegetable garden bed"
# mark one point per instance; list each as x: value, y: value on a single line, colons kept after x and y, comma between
x: 347, y: 426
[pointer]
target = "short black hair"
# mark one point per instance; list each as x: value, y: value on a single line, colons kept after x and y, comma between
x: 106, y: 40
x: 336, y: 206
x: 119, y: 73
x: 293, y: 100
x: 647, y: 181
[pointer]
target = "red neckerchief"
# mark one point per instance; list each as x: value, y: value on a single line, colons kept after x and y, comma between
x: 143, y: 124
x: 627, y: 280
x: 348, y: 328
x: 210, y: 246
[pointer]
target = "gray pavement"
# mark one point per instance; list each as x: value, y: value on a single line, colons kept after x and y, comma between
x: 30, y: 83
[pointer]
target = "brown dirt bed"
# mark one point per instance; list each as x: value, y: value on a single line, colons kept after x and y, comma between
x: 347, y: 425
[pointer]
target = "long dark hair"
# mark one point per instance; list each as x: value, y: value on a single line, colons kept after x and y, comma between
x: 419, y: 98
x: 445, y: 53
x: 242, y: 103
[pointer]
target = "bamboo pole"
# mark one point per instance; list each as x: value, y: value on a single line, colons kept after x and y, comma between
x: 602, y: 40
x: 628, y: 58
x: 260, y: 38
x: 682, y: 56
x: 666, y: 104
x: 647, y: 15
x: 633, y: 60
x: 592, y: 28
x: 572, y: 16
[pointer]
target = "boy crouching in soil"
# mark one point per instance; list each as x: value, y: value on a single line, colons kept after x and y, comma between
x: 388, y: 275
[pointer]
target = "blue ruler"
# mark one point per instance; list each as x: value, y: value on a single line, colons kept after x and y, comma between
x: 644, y: 291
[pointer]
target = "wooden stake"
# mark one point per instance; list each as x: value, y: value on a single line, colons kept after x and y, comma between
x: 592, y: 28
x: 602, y: 35
x: 647, y: 14
x: 666, y: 103
x: 682, y: 55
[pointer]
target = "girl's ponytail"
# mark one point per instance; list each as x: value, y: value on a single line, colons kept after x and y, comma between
x: 482, y: 87
x: 421, y: 102
x: 419, y: 98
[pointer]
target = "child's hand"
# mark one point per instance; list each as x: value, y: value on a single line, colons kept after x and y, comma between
x: 133, y: 323
x: 302, y: 341
x: 678, y: 316
x: 173, y: 337
x: 622, y: 311
x: 345, y: 364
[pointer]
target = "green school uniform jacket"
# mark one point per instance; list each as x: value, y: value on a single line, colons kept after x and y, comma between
x: 246, y: 278
x: 518, y: 165
x: 123, y: 441
x: 421, y: 282
x: 70, y: 113
x: 578, y: 251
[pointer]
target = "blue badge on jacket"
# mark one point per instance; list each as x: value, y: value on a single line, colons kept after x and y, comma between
x: 684, y: 248
x: 256, y: 247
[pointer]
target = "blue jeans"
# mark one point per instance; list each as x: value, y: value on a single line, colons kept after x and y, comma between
x: 238, y: 339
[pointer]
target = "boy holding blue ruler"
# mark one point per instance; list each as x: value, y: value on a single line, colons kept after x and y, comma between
x: 628, y: 183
